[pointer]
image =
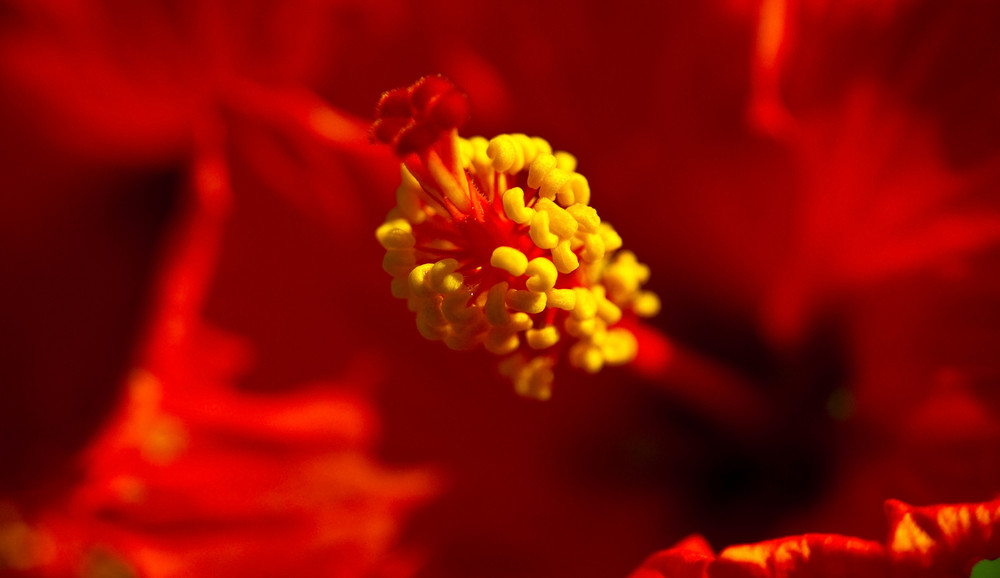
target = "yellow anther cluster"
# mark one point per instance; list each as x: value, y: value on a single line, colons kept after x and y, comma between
x: 523, y: 266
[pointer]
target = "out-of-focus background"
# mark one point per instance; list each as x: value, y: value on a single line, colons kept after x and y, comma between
x: 199, y: 351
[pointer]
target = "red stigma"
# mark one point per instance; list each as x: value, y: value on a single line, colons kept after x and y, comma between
x: 412, y: 119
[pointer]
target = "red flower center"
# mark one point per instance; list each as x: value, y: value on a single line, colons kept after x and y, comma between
x: 494, y: 243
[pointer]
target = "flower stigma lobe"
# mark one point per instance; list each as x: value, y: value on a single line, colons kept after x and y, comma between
x: 494, y: 243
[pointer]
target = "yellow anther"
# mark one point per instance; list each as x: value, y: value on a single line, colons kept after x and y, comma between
x: 479, y: 159
x: 430, y: 321
x: 501, y: 341
x: 400, y: 287
x: 393, y: 228
x: 431, y: 332
x: 399, y: 262
x: 514, y: 208
x: 391, y: 225
x: 624, y: 277
x: 540, y: 167
x: 564, y: 299
x: 456, y: 309
x: 542, y: 275
x: 606, y: 310
x: 586, y: 357
x: 542, y: 338
x: 519, y: 321
x: 565, y: 161
x: 593, y: 248
x: 564, y: 257
x: 430, y: 312
x: 528, y: 149
x: 463, y: 338
x: 419, y: 285
x: 540, y: 233
x: 586, y: 304
x: 646, y: 304
x: 612, y: 242
x: 496, y: 305
x: 577, y: 191
x: 503, y: 152
x: 443, y: 278
x: 581, y: 328
x: 560, y: 221
x: 398, y: 239
x: 510, y: 260
x: 534, y: 379
x: 619, y: 346
x: 553, y: 182
x: 526, y: 301
x: 541, y: 145
x: 585, y: 216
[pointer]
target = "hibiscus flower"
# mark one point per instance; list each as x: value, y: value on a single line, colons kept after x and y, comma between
x: 727, y: 178
x: 817, y: 231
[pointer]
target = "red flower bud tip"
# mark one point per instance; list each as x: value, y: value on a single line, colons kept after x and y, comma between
x: 494, y: 244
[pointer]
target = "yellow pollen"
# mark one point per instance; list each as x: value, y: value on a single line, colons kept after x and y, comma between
x: 542, y: 275
x: 513, y: 206
x: 532, y: 378
x: 455, y: 309
x: 561, y: 222
x: 555, y: 286
x: 564, y: 299
x: 606, y: 309
x: 399, y: 262
x: 578, y: 190
x: 587, y: 357
x: 619, y: 346
x: 539, y: 168
x: 496, y: 305
x: 585, y: 216
x: 564, y: 258
x: 501, y: 342
x: 542, y: 338
x: 526, y: 301
x: 510, y: 260
x: 586, y: 304
x: 646, y: 304
x: 593, y: 248
x: 565, y: 161
x: 504, y: 153
x: 581, y: 327
x: 443, y: 278
x: 612, y: 242
x: 519, y: 321
x: 540, y: 232
x: 419, y: 280
x: 553, y: 183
